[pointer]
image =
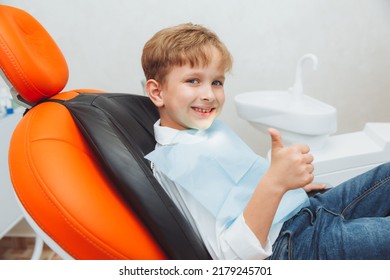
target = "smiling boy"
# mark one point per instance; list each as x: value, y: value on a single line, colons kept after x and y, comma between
x: 188, y: 88
x: 238, y: 203
x: 185, y: 68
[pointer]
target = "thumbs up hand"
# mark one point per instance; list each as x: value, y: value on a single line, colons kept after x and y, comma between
x: 291, y: 167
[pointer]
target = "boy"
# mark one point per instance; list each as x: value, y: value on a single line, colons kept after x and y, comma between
x: 240, y: 206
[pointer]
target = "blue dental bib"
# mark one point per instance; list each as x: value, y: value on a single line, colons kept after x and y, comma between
x: 220, y: 171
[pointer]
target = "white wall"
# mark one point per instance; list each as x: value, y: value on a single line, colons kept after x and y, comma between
x: 103, y: 39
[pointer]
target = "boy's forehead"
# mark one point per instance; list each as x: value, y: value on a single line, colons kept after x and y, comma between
x: 209, y: 57
x: 201, y: 66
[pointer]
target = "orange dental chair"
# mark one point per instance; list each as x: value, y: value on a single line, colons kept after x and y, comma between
x: 77, y: 162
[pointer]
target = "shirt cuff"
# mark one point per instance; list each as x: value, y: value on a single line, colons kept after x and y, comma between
x: 244, y: 243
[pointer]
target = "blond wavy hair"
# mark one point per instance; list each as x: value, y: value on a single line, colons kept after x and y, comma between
x: 179, y: 45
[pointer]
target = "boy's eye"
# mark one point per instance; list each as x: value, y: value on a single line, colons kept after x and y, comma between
x: 217, y: 83
x: 193, y: 81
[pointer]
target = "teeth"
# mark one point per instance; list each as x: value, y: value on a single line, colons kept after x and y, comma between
x: 202, y: 110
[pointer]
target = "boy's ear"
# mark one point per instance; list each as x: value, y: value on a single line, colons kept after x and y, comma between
x: 153, y: 89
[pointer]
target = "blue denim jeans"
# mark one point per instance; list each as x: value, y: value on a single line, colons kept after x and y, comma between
x: 350, y: 221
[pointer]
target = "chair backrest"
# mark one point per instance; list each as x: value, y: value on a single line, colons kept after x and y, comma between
x: 77, y: 159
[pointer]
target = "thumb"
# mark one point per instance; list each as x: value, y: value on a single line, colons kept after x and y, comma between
x: 276, y: 138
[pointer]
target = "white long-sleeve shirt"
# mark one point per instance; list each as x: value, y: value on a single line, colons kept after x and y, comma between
x: 235, y: 242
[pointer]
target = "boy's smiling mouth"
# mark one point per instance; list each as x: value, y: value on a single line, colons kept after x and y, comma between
x: 203, y: 110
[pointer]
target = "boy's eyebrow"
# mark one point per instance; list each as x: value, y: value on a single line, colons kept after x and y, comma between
x: 221, y: 77
x: 200, y: 73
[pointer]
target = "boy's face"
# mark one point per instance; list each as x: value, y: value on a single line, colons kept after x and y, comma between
x: 192, y: 97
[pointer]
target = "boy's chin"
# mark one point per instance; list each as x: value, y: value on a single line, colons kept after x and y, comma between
x: 202, y: 126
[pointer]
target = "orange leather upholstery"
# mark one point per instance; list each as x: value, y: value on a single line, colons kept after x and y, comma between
x: 57, y: 180
x: 57, y: 177
x: 29, y: 55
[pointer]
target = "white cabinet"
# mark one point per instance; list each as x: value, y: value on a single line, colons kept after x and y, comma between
x: 10, y: 213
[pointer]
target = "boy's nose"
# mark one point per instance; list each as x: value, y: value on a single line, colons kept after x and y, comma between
x: 207, y: 94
